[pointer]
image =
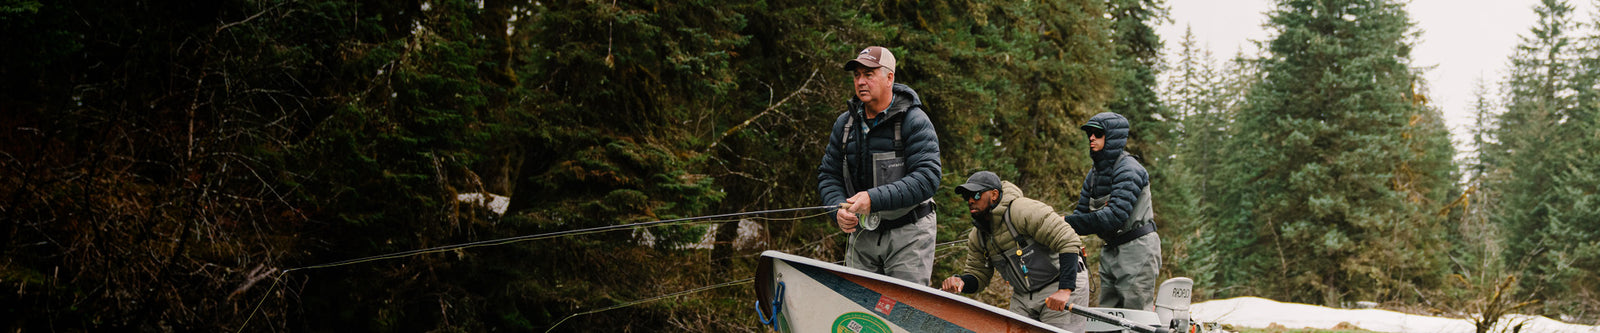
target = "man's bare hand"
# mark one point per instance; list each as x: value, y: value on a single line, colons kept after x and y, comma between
x: 1058, y: 300
x: 861, y: 204
x: 847, y: 220
x: 953, y: 285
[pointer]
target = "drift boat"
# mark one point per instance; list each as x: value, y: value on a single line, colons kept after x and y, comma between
x: 799, y: 294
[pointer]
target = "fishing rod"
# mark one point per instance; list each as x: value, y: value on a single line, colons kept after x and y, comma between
x: 700, y: 289
x: 508, y: 240
x: 637, y: 302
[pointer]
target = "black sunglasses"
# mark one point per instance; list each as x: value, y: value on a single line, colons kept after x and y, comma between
x: 1093, y: 134
x: 969, y: 196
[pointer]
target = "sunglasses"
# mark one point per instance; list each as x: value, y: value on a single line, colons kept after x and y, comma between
x: 1095, y: 134
x: 971, y: 195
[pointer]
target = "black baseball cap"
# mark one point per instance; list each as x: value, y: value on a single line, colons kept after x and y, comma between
x: 979, y: 182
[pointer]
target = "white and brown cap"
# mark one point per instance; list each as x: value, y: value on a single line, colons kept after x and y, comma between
x: 872, y: 56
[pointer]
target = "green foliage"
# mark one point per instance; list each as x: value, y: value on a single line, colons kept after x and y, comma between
x: 1138, y: 63
x: 1536, y: 159
x: 1333, y: 157
x: 996, y: 85
x: 165, y: 162
x: 174, y: 158
x: 1204, y: 95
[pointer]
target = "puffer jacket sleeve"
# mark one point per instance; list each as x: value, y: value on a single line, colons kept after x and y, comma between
x: 1129, y: 178
x: 1083, y: 195
x: 830, y: 173
x: 1042, y: 222
x: 977, y: 262
x: 922, y: 166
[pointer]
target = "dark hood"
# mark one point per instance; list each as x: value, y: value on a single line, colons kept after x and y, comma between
x: 904, y: 99
x: 1116, y: 138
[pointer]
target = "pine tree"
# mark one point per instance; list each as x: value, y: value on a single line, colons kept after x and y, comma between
x: 1226, y: 232
x: 1561, y: 222
x: 1543, y: 145
x: 1481, y: 282
x: 1483, y: 128
x: 1335, y: 155
x: 1138, y: 64
x: 156, y: 149
x: 1197, y: 93
x: 1191, y: 94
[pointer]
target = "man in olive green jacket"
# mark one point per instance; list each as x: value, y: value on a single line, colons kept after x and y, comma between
x: 1034, y: 249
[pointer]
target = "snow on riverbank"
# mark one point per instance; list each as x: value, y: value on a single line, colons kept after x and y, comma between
x: 1260, y: 313
x: 495, y: 202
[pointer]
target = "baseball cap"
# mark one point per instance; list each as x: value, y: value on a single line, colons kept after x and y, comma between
x: 872, y: 56
x: 979, y: 182
x: 1092, y: 128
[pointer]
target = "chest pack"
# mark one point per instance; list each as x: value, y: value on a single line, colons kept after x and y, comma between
x: 886, y: 167
x: 1143, y: 210
x: 1030, y: 266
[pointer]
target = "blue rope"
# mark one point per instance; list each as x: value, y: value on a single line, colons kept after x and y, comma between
x: 777, y: 306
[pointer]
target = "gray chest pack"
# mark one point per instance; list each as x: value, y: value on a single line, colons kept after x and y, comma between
x: 887, y: 167
x: 1142, y: 213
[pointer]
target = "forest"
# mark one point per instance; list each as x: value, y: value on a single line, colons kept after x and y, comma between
x: 217, y: 165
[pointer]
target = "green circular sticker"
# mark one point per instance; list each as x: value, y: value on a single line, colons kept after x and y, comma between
x: 859, y: 322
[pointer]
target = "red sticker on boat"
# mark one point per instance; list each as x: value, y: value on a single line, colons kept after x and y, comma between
x: 885, y: 304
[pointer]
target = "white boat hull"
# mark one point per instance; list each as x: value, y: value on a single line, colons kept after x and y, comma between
x: 808, y: 295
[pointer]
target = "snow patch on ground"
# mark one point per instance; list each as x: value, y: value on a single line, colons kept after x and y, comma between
x: 751, y: 237
x: 1260, y: 312
x: 494, y: 202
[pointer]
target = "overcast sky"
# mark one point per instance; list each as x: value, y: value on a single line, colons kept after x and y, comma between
x: 1464, y: 39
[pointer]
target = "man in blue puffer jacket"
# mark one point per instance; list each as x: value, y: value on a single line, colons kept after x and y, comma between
x: 882, y: 164
x: 1115, y: 204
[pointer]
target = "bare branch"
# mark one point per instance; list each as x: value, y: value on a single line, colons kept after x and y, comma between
x: 247, y: 19
x: 763, y: 112
x: 255, y: 275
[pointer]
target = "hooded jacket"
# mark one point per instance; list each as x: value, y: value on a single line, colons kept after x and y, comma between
x: 1032, y: 218
x: 921, y: 154
x: 1122, y: 178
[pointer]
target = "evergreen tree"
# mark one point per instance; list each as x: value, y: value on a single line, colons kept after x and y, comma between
x: 1138, y: 64
x: 1548, y: 137
x: 1223, y: 232
x: 1575, y: 225
x: 1335, y: 155
x: 739, y: 98
x: 1191, y: 93
x: 1482, y: 282
x: 1543, y: 145
x: 164, y: 148
x: 1479, y: 161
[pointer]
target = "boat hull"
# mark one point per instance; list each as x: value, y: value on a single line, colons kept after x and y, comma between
x: 798, y: 294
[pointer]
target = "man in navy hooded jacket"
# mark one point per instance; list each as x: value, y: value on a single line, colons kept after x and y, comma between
x: 1115, y: 204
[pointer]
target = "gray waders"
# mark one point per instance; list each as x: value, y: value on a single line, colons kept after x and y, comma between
x: 897, y: 242
x: 1131, y: 259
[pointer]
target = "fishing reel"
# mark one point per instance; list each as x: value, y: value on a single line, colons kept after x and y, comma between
x: 869, y: 221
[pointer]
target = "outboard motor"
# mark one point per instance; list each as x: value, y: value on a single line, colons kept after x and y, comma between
x: 1172, y: 303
